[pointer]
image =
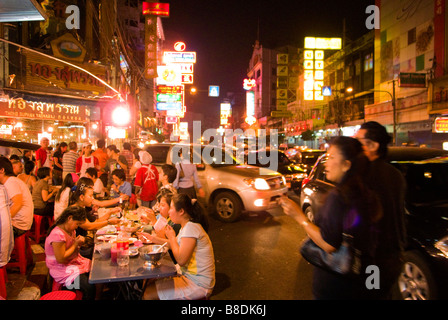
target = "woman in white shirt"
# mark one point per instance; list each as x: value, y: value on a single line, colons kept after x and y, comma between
x: 192, y: 250
x: 63, y: 195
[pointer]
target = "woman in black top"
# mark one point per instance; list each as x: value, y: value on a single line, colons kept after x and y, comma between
x: 349, y: 207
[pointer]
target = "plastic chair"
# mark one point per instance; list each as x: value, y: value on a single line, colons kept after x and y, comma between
x: 56, y: 287
x: 3, y: 280
x: 21, y: 254
x: 59, y: 295
x: 37, y: 234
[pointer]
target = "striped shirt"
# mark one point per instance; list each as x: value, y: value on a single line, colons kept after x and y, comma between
x: 69, y: 161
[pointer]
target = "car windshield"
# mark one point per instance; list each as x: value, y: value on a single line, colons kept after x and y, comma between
x: 427, y: 181
x: 310, y: 158
x: 158, y: 153
x: 219, y: 156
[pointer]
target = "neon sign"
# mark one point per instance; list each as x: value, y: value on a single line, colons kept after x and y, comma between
x: 249, y: 84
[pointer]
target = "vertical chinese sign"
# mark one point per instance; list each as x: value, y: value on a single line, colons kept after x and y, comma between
x: 151, y: 11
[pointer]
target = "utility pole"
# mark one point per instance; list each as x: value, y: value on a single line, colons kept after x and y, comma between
x: 394, y: 111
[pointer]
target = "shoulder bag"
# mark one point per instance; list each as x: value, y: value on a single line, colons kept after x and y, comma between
x: 345, y: 261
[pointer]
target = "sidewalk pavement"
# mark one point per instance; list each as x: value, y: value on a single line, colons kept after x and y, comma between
x: 35, y: 283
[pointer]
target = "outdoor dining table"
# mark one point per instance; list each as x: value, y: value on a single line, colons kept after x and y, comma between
x: 128, y: 277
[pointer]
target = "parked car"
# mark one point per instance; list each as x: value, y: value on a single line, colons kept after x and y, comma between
x: 230, y: 187
x: 426, y: 257
x: 293, y: 173
x: 304, y: 157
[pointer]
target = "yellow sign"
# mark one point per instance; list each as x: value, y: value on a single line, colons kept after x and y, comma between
x: 323, y: 43
x: 308, y: 54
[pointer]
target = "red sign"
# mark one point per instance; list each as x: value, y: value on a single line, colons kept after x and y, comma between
x: 441, y: 125
x: 169, y: 89
x: 171, y: 119
x: 156, y: 9
x: 187, y: 78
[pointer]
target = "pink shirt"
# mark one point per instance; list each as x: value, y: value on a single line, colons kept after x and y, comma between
x: 64, y: 273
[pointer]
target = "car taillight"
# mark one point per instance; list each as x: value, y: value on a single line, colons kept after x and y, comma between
x: 305, y: 181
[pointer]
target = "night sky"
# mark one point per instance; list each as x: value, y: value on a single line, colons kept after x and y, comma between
x: 223, y: 32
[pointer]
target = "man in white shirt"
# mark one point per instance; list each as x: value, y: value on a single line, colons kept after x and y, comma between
x: 6, y: 233
x: 21, y: 204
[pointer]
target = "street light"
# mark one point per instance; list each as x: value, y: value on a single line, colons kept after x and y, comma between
x: 392, y: 96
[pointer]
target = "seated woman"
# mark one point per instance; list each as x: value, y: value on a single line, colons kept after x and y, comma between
x: 192, y: 250
x: 83, y: 197
x: 43, y: 193
x: 120, y: 186
x: 62, y: 196
x: 28, y: 176
x: 151, y: 217
x: 62, y: 257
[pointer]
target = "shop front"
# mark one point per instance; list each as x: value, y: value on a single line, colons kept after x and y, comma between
x: 28, y: 117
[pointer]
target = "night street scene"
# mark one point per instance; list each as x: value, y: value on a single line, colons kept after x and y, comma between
x: 247, y: 155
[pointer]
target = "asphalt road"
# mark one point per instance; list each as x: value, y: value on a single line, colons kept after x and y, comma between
x: 257, y: 258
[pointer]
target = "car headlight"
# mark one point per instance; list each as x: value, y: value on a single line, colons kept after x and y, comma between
x: 442, y: 245
x: 258, y: 183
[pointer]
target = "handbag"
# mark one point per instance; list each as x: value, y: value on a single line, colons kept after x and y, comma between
x: 345, y: 261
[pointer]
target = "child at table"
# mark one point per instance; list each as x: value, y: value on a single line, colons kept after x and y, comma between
x: 193, y: 251
x: 62, y: 257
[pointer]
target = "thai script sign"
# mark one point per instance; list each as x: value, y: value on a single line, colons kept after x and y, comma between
x: 20, y: 108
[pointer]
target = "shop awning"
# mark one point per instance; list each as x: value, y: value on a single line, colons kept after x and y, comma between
x: 21, y: 10
x: 18, y: 144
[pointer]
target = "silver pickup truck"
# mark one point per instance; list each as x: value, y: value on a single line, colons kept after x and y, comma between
x: 230, y: 187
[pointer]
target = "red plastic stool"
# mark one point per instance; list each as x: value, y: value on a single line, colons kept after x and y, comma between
x: 3, y: 280
x: 21, y: 254
x: 37, y: 233
x: 59, y: 295
x: 59, y: 287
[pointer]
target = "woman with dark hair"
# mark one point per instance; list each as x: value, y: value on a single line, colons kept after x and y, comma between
x: 83, y: 197
x: 62, y: 256
x: 350, y: 207
x: 28, y: 177
x: 43, y: 193
x: 20, y: 201
x: 61, y: 200
x: 192, y: 250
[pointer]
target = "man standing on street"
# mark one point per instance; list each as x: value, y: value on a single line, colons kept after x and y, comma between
x: 69, y: 159
x: 127, y: 153
x: 43, y: 154
x: 389, y: 184
x: 101, y: 154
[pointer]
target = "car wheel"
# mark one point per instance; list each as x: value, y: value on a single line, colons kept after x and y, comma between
x: 416, y: 281
x: 309, y: 213
x: 227, y: 207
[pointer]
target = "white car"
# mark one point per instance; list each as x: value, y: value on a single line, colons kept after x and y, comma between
x: 230, y: 187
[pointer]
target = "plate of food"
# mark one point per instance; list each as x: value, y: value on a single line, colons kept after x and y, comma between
x: 107, y: 238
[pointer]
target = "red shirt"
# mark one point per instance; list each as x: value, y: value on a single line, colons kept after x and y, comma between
x: 147, y: 181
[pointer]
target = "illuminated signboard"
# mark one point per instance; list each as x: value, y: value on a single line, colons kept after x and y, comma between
x: 323, y: 43
x: 179, y: 57
x: 249, y: 84
x: 313, y: 65
x: 171, y: 119
x: 156, y: 9
x: 250, y: 103
x: 165, y: 106
x: 168, y: 97
x: 441, y: 125
x: 169, y: 75
x: 169, y: 89
x: 187, y: 78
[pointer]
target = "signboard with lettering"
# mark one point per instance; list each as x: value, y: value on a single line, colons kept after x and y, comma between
x: 156, y: 9
x: 42, y: 72
x: 441, y: 125
x: 20, y: 108
x: 412, y: 80
x: 179, y: 57
x: 150, y: 47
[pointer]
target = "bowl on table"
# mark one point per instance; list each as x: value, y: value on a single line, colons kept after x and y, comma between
x: 152, y: 255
